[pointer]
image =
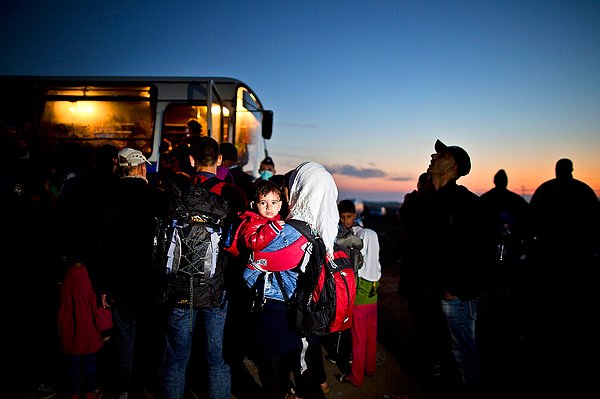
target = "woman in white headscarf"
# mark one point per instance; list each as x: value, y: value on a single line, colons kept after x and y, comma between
x: 313, y: 199
x: 278, y: 349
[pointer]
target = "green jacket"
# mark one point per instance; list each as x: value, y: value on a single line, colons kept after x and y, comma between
x: 366, y: 292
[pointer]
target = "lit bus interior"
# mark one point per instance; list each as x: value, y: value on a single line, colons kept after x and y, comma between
x: 98, y: 116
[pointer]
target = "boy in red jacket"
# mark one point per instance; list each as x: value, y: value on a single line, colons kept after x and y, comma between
x: 260, y: 226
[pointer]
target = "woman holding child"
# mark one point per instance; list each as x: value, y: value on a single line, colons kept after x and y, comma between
x: 279, y: 349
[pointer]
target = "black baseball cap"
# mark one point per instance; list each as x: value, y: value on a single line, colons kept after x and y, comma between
x: 461, y: 158
x: 268, y: 161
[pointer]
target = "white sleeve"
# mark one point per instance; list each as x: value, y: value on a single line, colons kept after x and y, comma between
x: 371, y: 269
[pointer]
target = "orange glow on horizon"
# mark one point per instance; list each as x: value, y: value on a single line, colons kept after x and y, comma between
x: 523, y: 185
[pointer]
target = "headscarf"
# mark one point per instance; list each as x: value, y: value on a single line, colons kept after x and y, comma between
x: 313, y: 199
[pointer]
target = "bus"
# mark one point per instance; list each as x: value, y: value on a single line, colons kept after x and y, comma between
x: 146, y: 113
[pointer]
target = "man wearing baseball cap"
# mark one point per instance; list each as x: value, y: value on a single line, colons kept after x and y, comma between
x: 460, y: 245
x: 129, y: 279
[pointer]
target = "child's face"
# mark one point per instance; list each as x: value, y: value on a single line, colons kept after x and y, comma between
x: 347, y: 218
x: 268, y: 206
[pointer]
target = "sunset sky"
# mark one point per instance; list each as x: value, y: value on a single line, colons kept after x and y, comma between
x: 363, y: 87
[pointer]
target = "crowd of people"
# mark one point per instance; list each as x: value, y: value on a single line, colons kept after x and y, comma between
x: 91, y: 247
x: 493, y: 261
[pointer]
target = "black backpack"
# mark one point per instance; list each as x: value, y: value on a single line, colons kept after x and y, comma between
x: 191, y: 239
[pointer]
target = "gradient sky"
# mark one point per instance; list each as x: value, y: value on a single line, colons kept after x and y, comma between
x: 365, y: 88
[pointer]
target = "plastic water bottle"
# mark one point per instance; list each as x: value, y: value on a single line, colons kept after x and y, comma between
x: 503, y: 242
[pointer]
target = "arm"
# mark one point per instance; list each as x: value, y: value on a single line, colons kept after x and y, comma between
x: 256, y: 234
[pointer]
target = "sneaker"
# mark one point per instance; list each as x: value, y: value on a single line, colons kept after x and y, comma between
x: 292, y: 394
x: 45, y: 391
x: 330, y: 359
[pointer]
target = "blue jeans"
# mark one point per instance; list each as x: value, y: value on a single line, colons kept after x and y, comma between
x: 179, y: 332
x: 460, y: 317
x: 123, y: 337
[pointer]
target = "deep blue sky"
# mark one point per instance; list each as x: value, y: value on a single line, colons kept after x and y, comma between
x: 363, y: 87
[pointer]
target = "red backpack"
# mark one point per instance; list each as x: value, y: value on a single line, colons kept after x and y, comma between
x: 325, y: 291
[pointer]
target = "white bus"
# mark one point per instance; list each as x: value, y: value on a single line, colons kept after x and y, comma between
x: 146, y: 113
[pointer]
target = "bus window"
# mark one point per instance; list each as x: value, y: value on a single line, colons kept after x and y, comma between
x: 103, y: 122
x: 98, y: 116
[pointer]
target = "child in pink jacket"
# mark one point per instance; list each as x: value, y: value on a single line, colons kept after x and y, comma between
x: 79, y: 331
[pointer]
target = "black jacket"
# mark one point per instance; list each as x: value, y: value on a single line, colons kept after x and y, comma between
x: 459, y: 240
x: 129, y: 275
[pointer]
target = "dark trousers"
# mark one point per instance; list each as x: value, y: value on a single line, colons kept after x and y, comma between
x: 81, y: 373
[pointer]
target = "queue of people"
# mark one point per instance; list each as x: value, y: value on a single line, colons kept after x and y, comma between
x: 461, y: 254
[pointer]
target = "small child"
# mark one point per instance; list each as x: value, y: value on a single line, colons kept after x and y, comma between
x: 339, y: 344
x: 79, y: 331
x: 364, y: 316
x: 259, y: 228
x: 346, y: 238
x: 256, y: 229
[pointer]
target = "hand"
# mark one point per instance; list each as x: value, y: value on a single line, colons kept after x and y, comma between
x: 448, y: 296
x: 105, y: 304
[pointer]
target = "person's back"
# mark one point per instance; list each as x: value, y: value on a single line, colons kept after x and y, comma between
x: 128, y: 280
x: 565, y: 213
x: 339, y: 344
x: 509, y: 283
x: 364, y: 315
x: 131, y: 215
x: 510, y: 214
x: 79, y: 331
x: 194, y: 295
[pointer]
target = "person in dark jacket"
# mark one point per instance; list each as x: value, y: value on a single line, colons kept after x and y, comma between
x: 129, y: 279
x: 209, y: 301
x: 565, y: 259
x: 459, y: 249
x: 509, y: 284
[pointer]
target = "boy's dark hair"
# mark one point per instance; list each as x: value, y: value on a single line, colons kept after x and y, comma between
x: 264, y: 187
x: 346, y: 206
x: 205, y: 150
x: 229, y: 152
